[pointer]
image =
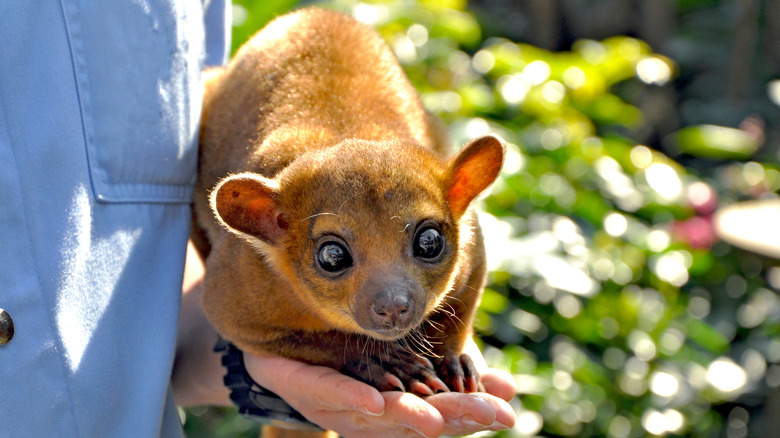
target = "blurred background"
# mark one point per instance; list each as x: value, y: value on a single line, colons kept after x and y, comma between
x: 634, y: 235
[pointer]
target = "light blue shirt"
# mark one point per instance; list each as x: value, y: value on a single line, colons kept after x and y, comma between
x: 99, y: 107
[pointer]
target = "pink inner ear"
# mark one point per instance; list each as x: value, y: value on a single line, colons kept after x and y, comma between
x: 459, y: 195
x: 264, y: 219
x: 260, y: 216
x: 474, y: 170
x: 246, y: 205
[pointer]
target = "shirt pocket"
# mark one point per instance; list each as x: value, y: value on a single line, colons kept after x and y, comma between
x: 137, y: 67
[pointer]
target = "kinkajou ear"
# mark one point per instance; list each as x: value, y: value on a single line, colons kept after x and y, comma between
x: 245, y: 203
x: 473, y: 170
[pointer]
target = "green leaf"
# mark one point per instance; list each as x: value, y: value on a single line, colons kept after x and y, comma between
x: 258, y: 14
x: 712, y: 141
x: 460, y: 26
x: 706, y: 336
x: 493, y: 302
x: 610, y: 109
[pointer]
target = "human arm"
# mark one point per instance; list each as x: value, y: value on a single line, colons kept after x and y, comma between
x: 197, y: 369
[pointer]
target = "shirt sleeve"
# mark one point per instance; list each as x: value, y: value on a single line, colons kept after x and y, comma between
x: 218, y: 19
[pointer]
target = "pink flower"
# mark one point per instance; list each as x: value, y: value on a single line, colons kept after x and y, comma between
x: 698, y: 232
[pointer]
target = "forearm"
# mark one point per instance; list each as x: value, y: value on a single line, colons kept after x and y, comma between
x: 197, y: 371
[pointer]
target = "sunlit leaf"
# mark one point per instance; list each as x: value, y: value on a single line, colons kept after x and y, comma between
x: 258, y: 13
x: 460, y: 26
x: 714, y: 141
x: 706, y: 336
x: 493, y: 301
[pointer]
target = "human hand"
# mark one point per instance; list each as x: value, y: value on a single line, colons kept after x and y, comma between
x: 327, y: 397
x: 497, y: 383
x: 353, y: 409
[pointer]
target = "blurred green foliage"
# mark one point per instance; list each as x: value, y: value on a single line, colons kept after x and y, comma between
x: 611, y: 300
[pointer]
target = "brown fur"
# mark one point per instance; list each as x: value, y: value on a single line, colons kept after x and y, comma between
x: 312, y: 134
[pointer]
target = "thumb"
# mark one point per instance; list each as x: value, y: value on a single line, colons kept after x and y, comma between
x: 308, y: 387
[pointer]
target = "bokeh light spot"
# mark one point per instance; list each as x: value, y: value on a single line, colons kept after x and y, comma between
x: 630, y: 49
x: 652, y: 70
x: 664, y: 180
x: 642, y: 344
x: 417, y: 34
x: 574, y: 77
x: 537, y: 72
x: 568, y: 306
x: 641, y: 156
x: 513, y: 88
x: 369, y: 14
x: 239, y: 15
x: 664, y: 384
x: 725, y: 375
x: 528, y: 423
x: 483, y: 61
x: 658, y: 240
x: 615, y: 224
x: 773, y: 91
x: 553, y: 92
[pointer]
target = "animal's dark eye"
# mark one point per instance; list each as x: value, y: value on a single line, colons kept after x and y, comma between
x: 428, y: 244
x: 333, y: 257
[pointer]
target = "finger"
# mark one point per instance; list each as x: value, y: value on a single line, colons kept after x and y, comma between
x: 454, y: 405
x: 307, y: 387
x: 405, y: 415
x: 413, y: 413
x: 505, y: 415
x: 469, y: 413
x: 499, y: 383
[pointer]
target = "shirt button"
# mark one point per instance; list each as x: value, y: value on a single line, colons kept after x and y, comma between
x: 6, y: 327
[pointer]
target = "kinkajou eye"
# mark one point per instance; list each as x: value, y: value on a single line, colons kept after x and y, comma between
x: 428, y: 244
x: 333, y: 257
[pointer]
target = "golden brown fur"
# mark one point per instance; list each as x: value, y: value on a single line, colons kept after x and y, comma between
x: 312, y: 136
